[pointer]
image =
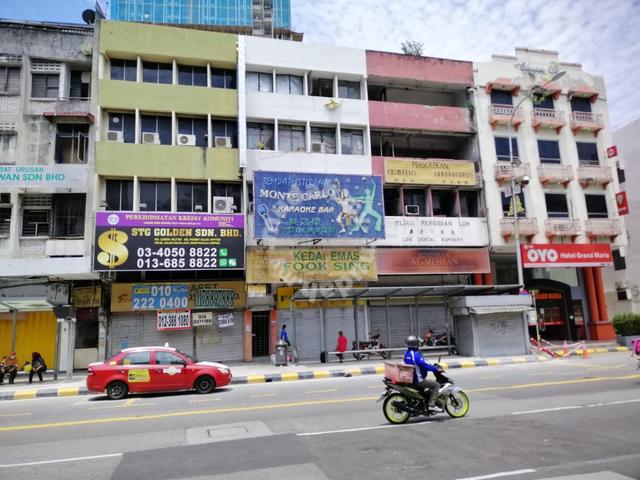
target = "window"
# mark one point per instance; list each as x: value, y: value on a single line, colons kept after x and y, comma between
x: 168, y: 358
x: 233, y: 190
x: 443, y: 203
x: 125, y: 123
x: 392, y: 202
x: 259, y: 82
x: 501, y: 97
x: 289, y: 84
x: 45, y: 85
x: 323, y: 139
x: 72, y: 142
x: 259, y: 136
x: 136, y: 358
x: 544, y: 102
x: 36, y: 216
x: 322, y: 87
x: 192, y: 197
x: 10, y: 80
x: 86, y: 334
x: 5, y: 214
x: 79, y: 84
x: 124, y: 70
x: 579, y: 104
x: 225, y: 128
x: 153, y: 72
x: 415, y: 202
x: 68, y: 215
x: 193, y: 76
x: 507, y: 205
x: 502, y: 148
x: 155, y: 196
x: 157, y: 124
x: 468, y: 203
x: 619, y: 262
x: 291, y: 138
x: 194, y: 126
x: 352, y: 143
x: 556, y: 205
x: 221, y: 78
x: 348, y: 89
x: 549, y: 151
x: 119, y: 195
x: 596, y: 206
x: 588, y: 153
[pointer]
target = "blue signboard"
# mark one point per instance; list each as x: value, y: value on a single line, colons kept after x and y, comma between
x: 313, y: 205
x: 159, y: 297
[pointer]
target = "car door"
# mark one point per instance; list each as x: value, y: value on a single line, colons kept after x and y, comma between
x: 169, y: 372
x: 137, y: 366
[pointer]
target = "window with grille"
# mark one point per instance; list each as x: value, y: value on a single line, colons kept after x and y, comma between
x: 291, y: 138
x: 119, y: 195
x: 192, y: 76
x: 68, y: 215
x: 153, y: 72
x: 72, y: 142
x: 192, y: 197
x: 45, y: 85
x: 260, y: 136
x: 352, y: 142
x: 348, y: 89
x: 221, y: 78
x: 124, y: 70
x: 87, y: 334
x: 10, y: 80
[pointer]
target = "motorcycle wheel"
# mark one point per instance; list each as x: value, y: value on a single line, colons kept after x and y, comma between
x: 457, y: 404
x: 391, y: 413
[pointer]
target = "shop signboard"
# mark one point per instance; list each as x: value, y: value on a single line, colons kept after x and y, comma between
x: 159, y: 296
x: 202, y: 319
x: 555, y: 255
x: 284, y: 294
x: 14, y: 177
x: 306, y: 205
x: 87, y: 297
x: 622, y: 203
x: 174, y: 319
x: 225, y: 320
x: 429, y: 172
x: 416, y: 261
x: 435, y: 232
x: 134, y: 241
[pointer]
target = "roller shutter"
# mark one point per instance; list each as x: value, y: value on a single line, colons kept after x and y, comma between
x: 221, y: 344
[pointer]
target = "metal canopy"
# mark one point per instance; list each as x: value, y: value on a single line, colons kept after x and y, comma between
x: 367, y: 293
x: 21, y: 304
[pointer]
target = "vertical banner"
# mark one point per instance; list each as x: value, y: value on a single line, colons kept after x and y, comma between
x: 622, y: 203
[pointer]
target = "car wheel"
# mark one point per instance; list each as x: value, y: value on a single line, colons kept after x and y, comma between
x: 204, y: 384
x: 117, y: 390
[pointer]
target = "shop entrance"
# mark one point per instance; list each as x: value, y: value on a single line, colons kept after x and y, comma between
x: 555, y: 310
x: 260, y: 333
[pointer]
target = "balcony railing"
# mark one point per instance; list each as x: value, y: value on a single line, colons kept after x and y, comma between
x: 561, y: 174
x: 501, y: 115
x: 562, y: 227
x: 586, y: 121
x: 527, y: 227
x: 594, y: 175
x: 603, y: 227
x: 504, y: 171
x: 548, y: 118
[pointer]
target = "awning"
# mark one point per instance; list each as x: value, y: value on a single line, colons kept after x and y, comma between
x: 490, y: 310
x: 71, y: 116
x: 38, y: 304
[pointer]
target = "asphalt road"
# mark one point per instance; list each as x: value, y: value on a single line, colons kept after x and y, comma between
x: 528, y: 421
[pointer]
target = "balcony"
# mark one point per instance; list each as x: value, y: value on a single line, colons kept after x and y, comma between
x: 504, y: 172
x: 502, y: 115
x: 562, y: 227
x: 74, y: 109
x: 586, y: 122
x: 595, y: 175
x: 558, y: 174
x: 527, y: 227
x: 602, y: 227
x: 547, y: 118
x: 406, y: 116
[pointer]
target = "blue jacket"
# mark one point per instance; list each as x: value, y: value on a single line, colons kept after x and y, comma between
x: 284, y: 336
x: 420, y: 367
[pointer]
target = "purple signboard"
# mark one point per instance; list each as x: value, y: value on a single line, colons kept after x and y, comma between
x: 133, y: 241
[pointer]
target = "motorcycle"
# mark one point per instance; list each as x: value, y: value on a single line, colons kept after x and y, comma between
x: 403, y: 401
x: 372, y: 347
x: 434, y: 340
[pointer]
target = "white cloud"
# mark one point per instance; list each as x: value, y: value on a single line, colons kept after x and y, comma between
x: 602, y: 35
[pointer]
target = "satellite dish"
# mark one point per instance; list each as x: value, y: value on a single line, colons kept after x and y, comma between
x: 89, y: 16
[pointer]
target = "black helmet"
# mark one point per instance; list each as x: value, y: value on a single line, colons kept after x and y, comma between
x: 412, y: 341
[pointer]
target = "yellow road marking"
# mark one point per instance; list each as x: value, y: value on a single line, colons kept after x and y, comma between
x: 22, y: 394
x: 550, y: 384
x: 15, y: 414
x: 68, y: 391
x: 204, y: 400
x: 326, y: 390
x: 129, y: 402
x: 265, y: 395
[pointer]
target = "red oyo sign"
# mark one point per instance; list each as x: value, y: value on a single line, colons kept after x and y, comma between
x: 552, y: 255
x: 612, y: 151
x: 622, y: 203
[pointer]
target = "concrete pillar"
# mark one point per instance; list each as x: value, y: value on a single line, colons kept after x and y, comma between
x: 477, y: 279
x: 600, y: 296
x: 592, y: 302
x: 273, y: 330
x: 248, y: 336
x: 486, y: 279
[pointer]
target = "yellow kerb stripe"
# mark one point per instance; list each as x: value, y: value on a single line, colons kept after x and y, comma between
x: 287, y: 377
x: 68, y: 391
x: 322, y: 374
x: 255, y: 379
x: 467, y: 363
x: 519, y: 360
x: 380, y: 369
x: 493, y: 361
x: 22, y: 394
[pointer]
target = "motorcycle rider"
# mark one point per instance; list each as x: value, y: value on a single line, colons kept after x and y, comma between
x: 421, y: 368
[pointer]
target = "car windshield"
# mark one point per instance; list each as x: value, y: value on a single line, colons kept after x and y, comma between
x: 193, y: 359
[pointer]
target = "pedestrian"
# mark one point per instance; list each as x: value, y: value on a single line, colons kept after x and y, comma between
x: 284, y: 336
x: 10, y: 366
x: 2, y: 368
x: 37, y: 366
x: 341, y: 345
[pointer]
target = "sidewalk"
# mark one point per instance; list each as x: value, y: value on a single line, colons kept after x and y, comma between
x: 259, y: 372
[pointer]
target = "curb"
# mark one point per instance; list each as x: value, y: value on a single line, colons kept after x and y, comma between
x: 311, y: 374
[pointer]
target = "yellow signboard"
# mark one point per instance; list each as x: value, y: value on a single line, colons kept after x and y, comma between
x: 87, y: 297
x: 429, y: 172
x: 284, y: 294
x: 140, y: 375
x: 303, y: 265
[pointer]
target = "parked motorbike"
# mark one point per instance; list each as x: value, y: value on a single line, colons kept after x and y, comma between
x: 403, y: 401
x: 371, y: 347
x: 432, y: 339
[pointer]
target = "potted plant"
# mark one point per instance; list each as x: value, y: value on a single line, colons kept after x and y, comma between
x: 627, y: 327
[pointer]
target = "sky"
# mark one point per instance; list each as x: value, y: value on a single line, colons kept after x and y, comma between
x: 602, y: 35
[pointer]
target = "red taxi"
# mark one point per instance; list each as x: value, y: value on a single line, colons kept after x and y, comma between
x: 155, y: 369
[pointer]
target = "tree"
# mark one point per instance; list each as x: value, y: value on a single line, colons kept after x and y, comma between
x: 412, y: 47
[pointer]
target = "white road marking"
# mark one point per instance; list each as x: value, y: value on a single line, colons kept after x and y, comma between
x: 265, y: 395
x: 573, y: 407
x: 348, y: 430
x: 326, y: 390
x: 500, y: 474
x: 61, y: 460
x: 15, y: 414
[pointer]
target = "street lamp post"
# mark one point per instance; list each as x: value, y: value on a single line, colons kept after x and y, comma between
x: 516, y: 226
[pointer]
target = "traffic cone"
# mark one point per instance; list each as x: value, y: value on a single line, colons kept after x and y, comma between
x: 565, y: 349
x: 585, y: 353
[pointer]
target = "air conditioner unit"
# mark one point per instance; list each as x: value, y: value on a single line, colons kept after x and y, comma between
x: 186, y: 140
x: 317, y: 147
x: 151, y: 137
x: 222, y: 204
x: 413, y: 210
x: 222, y: 142
x: 114, y: 136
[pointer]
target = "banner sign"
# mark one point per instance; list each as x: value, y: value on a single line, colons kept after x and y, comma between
x: 156, y: 297
x: 414, y: 261
x: 622, y: 203
x: 284, y: 294
x: 612, y: 151
x: 133, y: 241
x: 307, y: 205
x: 429, y: 172
x: 225, y: 320
x: 302, y: 265
x: 87, y: 297
x: 435, y: 232
x: 566, y: 255
x: 174, y: 320
x: 43, y: 176
x: 215, y: 298
x: 202, y: 319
